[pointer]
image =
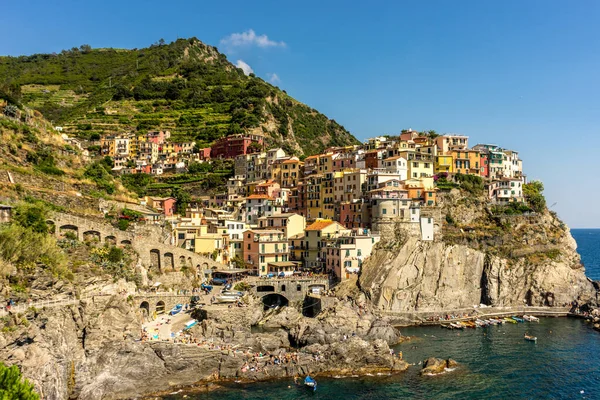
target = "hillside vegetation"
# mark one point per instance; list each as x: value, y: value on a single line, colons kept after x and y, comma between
x: 186, y: 87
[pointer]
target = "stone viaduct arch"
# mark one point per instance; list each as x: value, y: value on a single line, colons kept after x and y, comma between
x: 153, y: 251
x: 292, y: 290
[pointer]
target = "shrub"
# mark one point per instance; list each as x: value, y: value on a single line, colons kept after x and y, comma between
x: 14, y: 386
x: 123, y: 224
x: 26, y: 248
x: 470, y: 183
x: 32, y: 216
x: 115, y: 255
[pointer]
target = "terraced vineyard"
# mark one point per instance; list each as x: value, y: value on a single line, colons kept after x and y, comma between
x: 186, y: 87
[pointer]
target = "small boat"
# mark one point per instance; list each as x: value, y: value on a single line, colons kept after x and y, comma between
x: 310, y: 382
x: 232, y: 293
x: 227, y: 298
x: 512, y: 321
x: 518, y: 319
x: 530, y: 338
x: 470, y: 324
x: 457, y: 325
x: 176, y: 310
x: 534, y: 319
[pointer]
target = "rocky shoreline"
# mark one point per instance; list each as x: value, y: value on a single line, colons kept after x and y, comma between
x: 92, y: 350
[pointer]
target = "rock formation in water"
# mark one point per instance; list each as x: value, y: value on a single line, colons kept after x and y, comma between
x: 436, y: 366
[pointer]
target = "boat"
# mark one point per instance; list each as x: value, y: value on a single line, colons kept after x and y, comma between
x: 530, y: 338
x: 518, y: 319
x: 176, y: 310
x: 532, y: 318
x: 310, y: 382
x: 227, y: 298
x: 231, y: 293
x: 457, y: 325
x: 470, y: 324
x: 512, y: 321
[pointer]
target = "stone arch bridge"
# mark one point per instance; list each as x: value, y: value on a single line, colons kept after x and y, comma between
x: 154, y: 253
x: 293, y: 289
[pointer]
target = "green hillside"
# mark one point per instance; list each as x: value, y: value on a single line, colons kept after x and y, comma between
x: 186, y: 87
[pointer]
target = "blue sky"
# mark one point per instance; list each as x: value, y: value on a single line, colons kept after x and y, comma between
x: 521, y: 74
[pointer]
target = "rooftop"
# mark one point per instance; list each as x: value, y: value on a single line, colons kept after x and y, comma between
x: 319, y: 225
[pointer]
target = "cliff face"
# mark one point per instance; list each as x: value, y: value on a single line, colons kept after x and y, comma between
x: 480, y: 258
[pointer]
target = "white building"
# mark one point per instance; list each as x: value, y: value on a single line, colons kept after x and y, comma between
x: 427, y: 228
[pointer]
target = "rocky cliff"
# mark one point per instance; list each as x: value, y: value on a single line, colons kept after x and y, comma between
x: 478, y: 257
x: 91, y: 351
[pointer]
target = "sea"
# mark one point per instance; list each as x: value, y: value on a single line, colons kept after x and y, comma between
x: 495, y: 362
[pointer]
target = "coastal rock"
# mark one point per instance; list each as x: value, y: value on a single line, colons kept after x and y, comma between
x: 435, y: 366
x: 339, y: 322
x: 433, y: 276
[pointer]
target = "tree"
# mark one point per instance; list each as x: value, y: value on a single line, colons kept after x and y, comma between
x: 85, y: 48
x: 183, y: 198
x: 13, y: 386
x: 532, y: 192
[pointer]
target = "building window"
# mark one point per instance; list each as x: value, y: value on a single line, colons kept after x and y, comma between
x: 248, y: 246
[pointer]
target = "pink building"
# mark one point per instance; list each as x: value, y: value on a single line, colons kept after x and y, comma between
x: 165, y: 205
x: 269, y: 188
x: 354, y: 214
x: 158, y: 137
x: 204, y: 154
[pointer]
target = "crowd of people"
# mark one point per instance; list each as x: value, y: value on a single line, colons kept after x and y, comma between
x: 255, y: 362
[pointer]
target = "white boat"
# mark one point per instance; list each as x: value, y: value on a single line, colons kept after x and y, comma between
x: 227, y: 298
x: 534, y: 319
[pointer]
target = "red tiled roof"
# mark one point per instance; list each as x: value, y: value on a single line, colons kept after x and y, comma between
x: 259, y: 196
x: 319, y: 225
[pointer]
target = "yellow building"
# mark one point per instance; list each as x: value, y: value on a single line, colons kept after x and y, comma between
x: 315, y: 237
x: 290, y: 224
x: 134, y: 145
x: 325, y: 163
x: 444, y: 163
x: 327, y: 205
x: 313, y: 197
x: 208, y: 244
x: 291, y: 172
x: 467, y: 162
x: 420, y: 165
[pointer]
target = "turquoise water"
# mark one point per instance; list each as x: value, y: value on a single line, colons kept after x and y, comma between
x: 496, y: 363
